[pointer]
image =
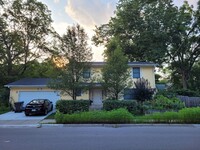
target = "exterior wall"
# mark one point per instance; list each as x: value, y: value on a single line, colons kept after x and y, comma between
x: 14, y: 92
x: 84, y: 96
x: 96, y: 76
x: 146, y: 73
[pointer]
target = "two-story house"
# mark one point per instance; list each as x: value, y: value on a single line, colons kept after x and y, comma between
x: 36, y: 88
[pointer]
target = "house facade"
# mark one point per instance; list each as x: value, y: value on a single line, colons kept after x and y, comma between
x: 36, y: 88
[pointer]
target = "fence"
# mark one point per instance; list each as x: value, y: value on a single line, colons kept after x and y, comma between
x: 190, y: 101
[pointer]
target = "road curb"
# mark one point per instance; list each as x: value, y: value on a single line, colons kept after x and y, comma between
x: 21, y: 126
x: 98, y: 125
x: 120, y: 125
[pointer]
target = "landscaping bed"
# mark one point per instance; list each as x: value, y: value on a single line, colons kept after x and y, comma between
x: 169, y: 110
x: 121, y: 116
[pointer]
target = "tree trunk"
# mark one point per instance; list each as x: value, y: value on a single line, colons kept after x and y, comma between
x: 184, y: 79
x: 74, y: 95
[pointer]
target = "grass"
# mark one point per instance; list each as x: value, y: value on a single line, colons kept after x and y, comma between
x: 51, y: 116
x: 186, y: 115
x: 115, y: 116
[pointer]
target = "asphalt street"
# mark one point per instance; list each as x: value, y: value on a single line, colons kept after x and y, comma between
x: 101, y: 138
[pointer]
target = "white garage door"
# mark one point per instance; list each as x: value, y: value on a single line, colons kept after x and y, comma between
x: 27, y: 96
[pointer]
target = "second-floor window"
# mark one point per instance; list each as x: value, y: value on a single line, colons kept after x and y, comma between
x: 136, y: 72
x: 86, y: 74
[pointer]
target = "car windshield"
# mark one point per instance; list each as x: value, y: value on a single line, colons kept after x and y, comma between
x: 37, y: 101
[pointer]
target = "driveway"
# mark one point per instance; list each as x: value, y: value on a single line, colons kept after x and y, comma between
x: 12, y: 118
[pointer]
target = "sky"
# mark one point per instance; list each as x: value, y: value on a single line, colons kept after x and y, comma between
x: 87, y: 13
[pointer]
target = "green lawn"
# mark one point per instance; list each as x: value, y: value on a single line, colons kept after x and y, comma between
x: 51, y: 116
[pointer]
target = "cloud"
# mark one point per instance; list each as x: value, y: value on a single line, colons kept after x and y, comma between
x: 89, y: 13
x: 56, y: 1
x: 61, y: 27
x: 191, y: 2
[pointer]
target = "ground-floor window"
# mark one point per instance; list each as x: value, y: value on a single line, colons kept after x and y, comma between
x: 129, y: 94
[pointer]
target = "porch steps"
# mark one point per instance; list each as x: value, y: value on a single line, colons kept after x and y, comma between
x: 96, y: 106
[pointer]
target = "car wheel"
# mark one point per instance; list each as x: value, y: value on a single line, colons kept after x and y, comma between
x: 27, y: 114
x: 51, y: 108
x: 46, y: 111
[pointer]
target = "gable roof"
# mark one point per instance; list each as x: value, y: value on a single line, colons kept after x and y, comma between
x: 29, y: 82
x: 131, y: 64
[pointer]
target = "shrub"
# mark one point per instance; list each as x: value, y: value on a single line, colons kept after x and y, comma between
x: 143, y: 90
x: 114, y: 116
x: 130, y: 105
x: 163, y: 103
x: 3, y: 109
x: 190, y: 115
x: 71, y: 106
x: 186, y: 92
x: 4, y: 96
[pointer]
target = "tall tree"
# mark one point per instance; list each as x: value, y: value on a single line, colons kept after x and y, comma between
x: 158, y: 31
x: 184, y: 42
x: 141, y: 26
x: 24, y: 34
x: 115, y: 73
x: 74, y: 49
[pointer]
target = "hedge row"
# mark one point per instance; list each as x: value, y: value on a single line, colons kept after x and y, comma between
x: 131, y: 105
x: 114, y: 116
x: 72, y: 106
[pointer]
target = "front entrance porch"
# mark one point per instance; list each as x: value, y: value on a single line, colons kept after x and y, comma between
x: 96, y: 95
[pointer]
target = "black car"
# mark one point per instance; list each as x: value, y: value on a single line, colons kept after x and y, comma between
x: 38, y: 106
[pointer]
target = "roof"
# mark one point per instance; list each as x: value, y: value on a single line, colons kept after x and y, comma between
x: 131, y: 64
x: 29, y: 82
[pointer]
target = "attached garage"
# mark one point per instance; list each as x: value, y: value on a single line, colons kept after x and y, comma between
x: 32, y: 88
x: 27, y: 96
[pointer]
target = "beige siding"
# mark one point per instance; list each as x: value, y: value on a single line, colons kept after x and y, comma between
x: 84, y: 96
x: 148, y: 73
x: 96, y: 76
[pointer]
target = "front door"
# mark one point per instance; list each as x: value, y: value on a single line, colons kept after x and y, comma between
x: 97, y: 96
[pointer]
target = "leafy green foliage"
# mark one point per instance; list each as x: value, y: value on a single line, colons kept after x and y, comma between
x: 75, y: 51
x: 130, y: 105
x: 4, y: 97
x: 163, y: 103
x: 190, y: 115
x: 143, y: 90
x: 156, y: 31
x: 25, y: 28
x: 186, y: 92
x: 72, y: 106
x: 114, y: 116
x: 194, y: 81
x: 186, y: 115
x: 137, y: 24
x: 4, y: 109
x: 115, y: 73
x: 45, y: 69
